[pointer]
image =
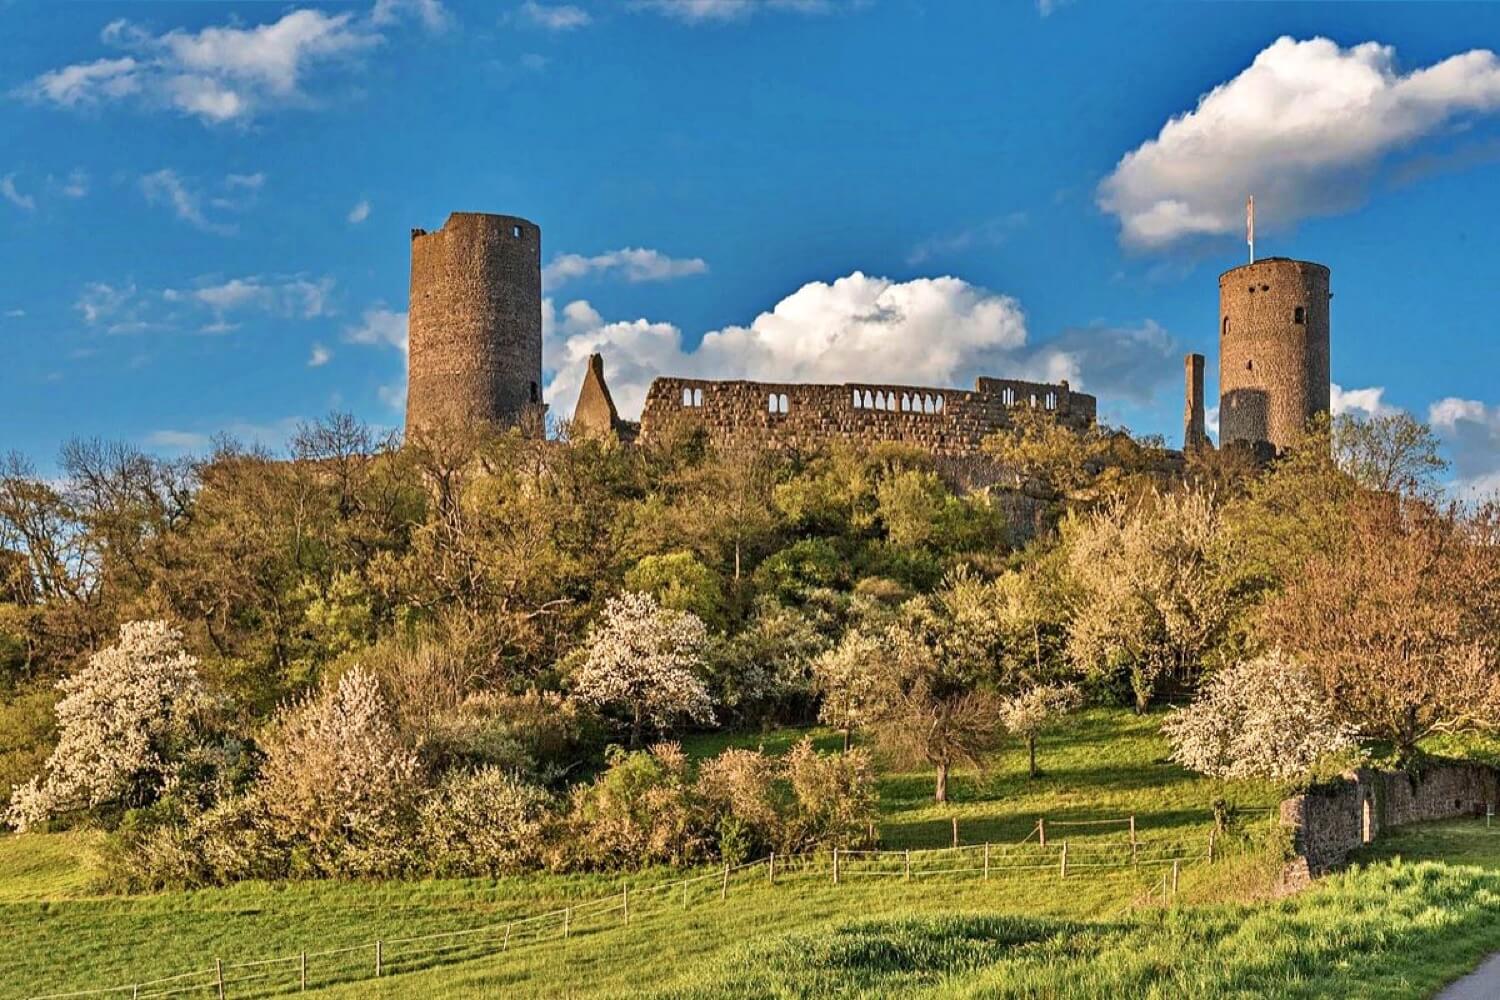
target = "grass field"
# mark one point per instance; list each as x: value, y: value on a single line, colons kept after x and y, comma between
x: 1397, y: 929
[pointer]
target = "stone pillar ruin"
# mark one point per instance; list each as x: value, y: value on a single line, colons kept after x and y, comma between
x: 1194, y: 435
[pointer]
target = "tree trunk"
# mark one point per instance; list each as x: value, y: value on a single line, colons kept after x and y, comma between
x: 846, y: 739
x: 1031, y: 751
x: 940, y: 794
x: 736, y: 560
x: 635, y: 728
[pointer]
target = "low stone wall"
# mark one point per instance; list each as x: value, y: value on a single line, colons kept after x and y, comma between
x: 1330, y: 820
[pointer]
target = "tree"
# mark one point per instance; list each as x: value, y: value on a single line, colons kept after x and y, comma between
x: 938, y: 703
x: 1035, y: 710
x: 1390, y: 453
x: 1258, y: 718
x: 122, y: 724
x: 647, y: 659
x: 1154, y: 591
x: 849, y: 679
x: 680, y: 582
x: 1399, y: 622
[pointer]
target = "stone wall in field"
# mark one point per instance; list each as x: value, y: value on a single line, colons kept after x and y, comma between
x: 1333, y: 819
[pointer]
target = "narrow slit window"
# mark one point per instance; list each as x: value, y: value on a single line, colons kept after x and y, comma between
x: 1299, y: 315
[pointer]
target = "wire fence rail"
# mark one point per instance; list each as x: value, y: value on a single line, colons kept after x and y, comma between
x: 1033, y: 856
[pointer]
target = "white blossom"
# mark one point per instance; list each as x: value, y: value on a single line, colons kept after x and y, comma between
x: 1260, y: 718
x: 646, y: 658
x: 116, y: 722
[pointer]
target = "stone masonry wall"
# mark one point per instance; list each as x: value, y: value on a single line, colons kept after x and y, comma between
x: 950, y: 424
x: 1331, y: 820
x: 1273, y: 350
x: 475, y: 322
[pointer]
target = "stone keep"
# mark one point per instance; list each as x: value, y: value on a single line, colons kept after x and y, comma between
x: 475, y: 323
x: 1273, y: 351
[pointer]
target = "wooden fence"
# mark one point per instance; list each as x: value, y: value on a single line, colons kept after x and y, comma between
x: 1035, y: 856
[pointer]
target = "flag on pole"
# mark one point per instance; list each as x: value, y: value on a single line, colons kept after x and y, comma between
x: 1250, y: 225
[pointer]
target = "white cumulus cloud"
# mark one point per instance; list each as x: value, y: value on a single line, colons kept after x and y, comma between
x: 637, y: 264
x: 1305, y: 129
x: 1470, y: 429
x: 927, y: 331
x: 1368, y: 402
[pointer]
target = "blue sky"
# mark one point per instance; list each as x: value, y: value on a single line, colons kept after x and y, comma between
x: 205, y: 206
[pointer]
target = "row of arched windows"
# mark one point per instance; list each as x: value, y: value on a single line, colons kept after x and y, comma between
x: 776, y: 402
x: 907, y: 402
x: 1048, y: 400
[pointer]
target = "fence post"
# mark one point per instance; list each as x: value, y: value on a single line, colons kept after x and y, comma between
x: 625, y: 900
x: 1174, y: 878
x: 1041, y: 831
x: 724, y: 889
x: 908, y: 864
x: 302, y: 972
x: 1132, y: 838
x: 135, y: 993
x: 1211, y: 834
x: 1063, y: 868
x: 771, y: 869
x: 986, y: 860
x: 379, y: 955
x: 835, y: 866
x: 955, y: 831
x: 567, y: 919
x: 219, y: 975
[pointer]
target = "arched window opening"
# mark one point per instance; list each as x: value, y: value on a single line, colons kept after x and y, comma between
x: 856, y: 399
x: 1299, y: 315
x: 1051, y: 400
x: 697, y: 397
x: 869, y: 400
x: 771, y: 402
x: 927, y: 403
x: 1008, y: 396
x: 782, y: 402
x: 1033, y: 400
x: 880, y: 401
x: 938, y: 405
x: 687, y: 396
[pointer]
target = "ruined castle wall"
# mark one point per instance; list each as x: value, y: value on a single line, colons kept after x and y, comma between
x: 950, y: 424
x: 475, y: 322
x: 1273, y: 350
x: 1329, y: 821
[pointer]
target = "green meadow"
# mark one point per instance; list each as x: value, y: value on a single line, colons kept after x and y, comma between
x: 1416, y: 912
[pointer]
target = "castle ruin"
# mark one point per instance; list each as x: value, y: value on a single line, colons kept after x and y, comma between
x: 475, y: 356
x: 474, y: 323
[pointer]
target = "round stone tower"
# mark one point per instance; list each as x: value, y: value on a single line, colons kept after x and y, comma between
x: 475, y: 323
x: 1273, y: 350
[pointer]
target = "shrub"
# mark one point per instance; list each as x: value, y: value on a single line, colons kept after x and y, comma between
x: 123, y: 722
x: 339, y: 780
x: 640, y: 811
x: 739, y: 787
x: 484, y: 822
x: 834, y: 796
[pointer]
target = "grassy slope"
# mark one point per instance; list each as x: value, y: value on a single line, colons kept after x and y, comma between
x: 940, y: 936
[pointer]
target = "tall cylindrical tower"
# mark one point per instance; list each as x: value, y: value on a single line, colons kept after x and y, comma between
x: 1273, y: 350
x: 474, y: 323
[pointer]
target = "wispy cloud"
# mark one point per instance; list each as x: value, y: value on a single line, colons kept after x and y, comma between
x: 226, y: 73
x: 636, y: 264
x: 9, y: 191
x: 990, y: 233
x: 295, y: 297
x: 186, y: 199
x: 706, y: 11
x: 320, y: 356
x: 360, y: 212
x: 554, y: 17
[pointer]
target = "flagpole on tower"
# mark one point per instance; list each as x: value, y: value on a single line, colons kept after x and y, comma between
x: 1250, y: 226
